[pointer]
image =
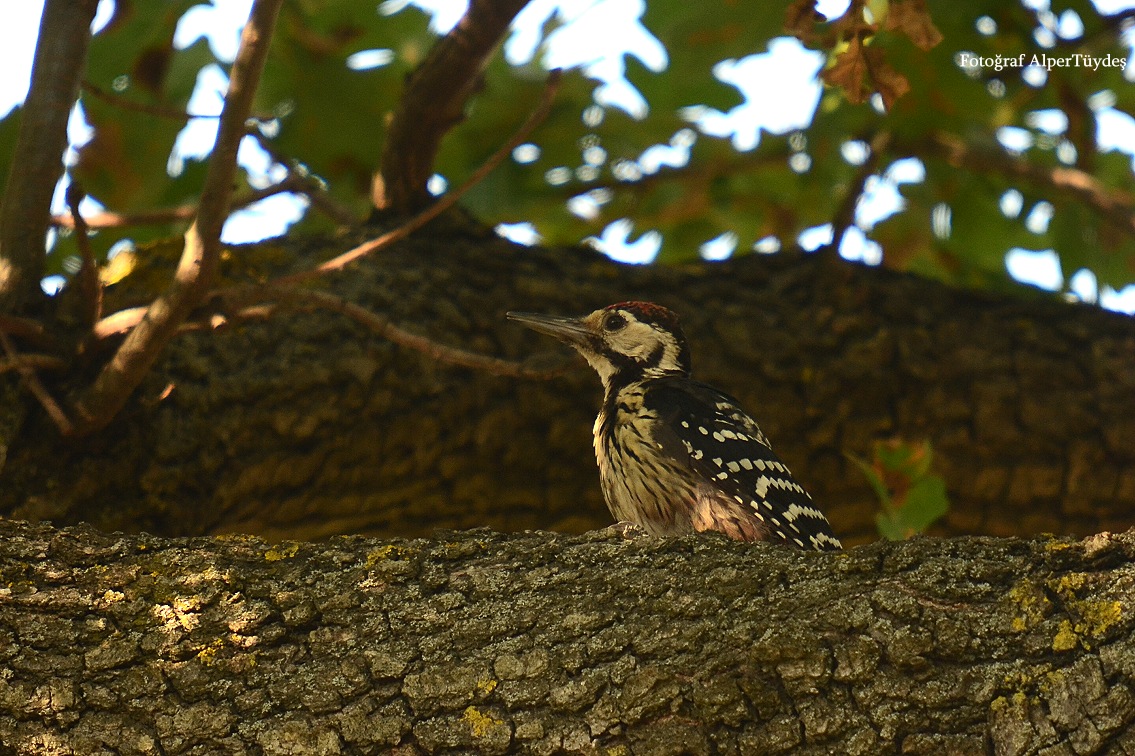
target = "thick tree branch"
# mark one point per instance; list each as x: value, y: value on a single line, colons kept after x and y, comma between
x: 60, y: 57
x: 434, y: 102
x: 309, y: 425
x: 196, y: 270
x: 541, y: 643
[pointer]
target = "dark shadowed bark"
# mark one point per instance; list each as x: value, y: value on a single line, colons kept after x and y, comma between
x: 540, y: 643
x: 306, y: 425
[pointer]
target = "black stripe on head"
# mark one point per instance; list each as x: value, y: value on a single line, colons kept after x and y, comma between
x: 648, y: 312
x: 660, y: 317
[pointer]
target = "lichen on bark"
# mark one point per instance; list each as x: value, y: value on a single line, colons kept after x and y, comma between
x: 542, y: 643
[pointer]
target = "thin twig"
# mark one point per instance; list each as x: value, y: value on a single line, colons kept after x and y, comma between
x: 33, y: 361
x: 311, y: 187
x: 27, y: 372
x: 199, y: 260
x: 844, y: 216
x: 87, y: 280
x: 383, y: 326
x: 444, y: 203
x: 108, y: 219
x: 1114, y: 205
x: 22, y: 327
x: 159, y: 111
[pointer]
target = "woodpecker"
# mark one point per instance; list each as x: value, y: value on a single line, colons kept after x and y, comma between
x: 675, y: 455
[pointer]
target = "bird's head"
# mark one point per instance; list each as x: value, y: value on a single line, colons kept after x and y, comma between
x: 623, y: 342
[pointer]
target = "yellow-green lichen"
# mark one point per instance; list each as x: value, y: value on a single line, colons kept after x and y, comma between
x: 208, y: 654
x: 1098, y: 616
x: 1001, y: 703
x: 1053, y: 680
x: 1065, y: 639
x: 381, y: 554
x: 1092, y: 618
x: 285, y: 550
x: 486, y: 686
x: 1067, y: 585
x: 479, y: 722
x: 1021, y: 680
x: 1033, y: 604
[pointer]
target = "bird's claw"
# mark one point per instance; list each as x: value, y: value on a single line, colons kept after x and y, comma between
x: 626, y: 530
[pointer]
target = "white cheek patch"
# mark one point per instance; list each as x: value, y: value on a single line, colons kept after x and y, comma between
x: 638, y: 341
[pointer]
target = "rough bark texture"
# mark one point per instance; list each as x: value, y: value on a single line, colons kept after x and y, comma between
x: 543, y: 643
x: 305, y: 425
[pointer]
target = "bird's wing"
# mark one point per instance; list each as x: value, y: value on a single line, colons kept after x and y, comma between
x: 707, y: 430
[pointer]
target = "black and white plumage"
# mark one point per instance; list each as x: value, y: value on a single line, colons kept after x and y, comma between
x: 675, y: 455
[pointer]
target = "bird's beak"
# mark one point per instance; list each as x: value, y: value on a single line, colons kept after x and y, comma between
x: 568, y: 330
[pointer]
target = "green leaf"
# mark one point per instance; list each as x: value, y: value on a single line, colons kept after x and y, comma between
x: 697, y: 36
x: 873, y: 478
x: 926, y: 502
x: 332, y: 119
x: 133, y: 60
x: 890, y: 527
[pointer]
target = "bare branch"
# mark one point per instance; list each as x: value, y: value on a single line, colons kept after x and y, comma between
x: 292, y: 183
x: 158, y: 111
x: 434, y: 102
x: 307, y: 184
x: 110, y: 219
x: 26, y: 368
x: 383, y: 326
x: 845, y: 213
x: 118, y: 323
x: 1114, y: 205
x: 33, y: 361
x: 60, y: 57
x: 197, y: 268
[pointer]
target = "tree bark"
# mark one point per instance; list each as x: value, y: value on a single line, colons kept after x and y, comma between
x: 478, y: 642
x: 306, y: 425
x: 25, y: 206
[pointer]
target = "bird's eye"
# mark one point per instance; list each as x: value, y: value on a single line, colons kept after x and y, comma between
x: 614, y: 322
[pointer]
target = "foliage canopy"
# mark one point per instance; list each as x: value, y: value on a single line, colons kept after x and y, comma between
x: 902, y: 79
